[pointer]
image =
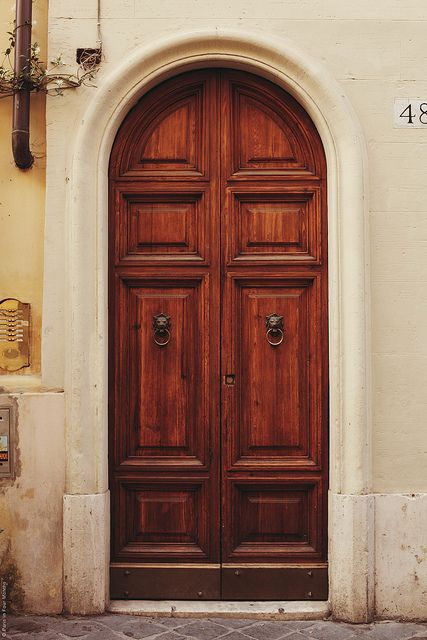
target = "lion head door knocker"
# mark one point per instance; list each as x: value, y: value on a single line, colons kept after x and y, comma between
x: 275, y: 331
x: 161, y: 327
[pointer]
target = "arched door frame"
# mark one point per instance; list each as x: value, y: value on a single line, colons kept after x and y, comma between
x: 86, y: 515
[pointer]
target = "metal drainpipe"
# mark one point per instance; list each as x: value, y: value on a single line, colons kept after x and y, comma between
x: 21, y: 99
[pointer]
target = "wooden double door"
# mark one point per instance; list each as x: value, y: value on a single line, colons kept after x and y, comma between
x: 219, y: 344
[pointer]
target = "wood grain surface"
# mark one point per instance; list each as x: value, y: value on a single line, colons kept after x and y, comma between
x: 218, y: 440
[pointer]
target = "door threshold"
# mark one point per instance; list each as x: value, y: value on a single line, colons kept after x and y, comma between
x: 271, y: 610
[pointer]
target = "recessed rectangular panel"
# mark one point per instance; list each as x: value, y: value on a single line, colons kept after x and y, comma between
x: 274, y: 516
x: 166, y: 382
x: 273, y: 379
x: 273, y: 519
x: 166, y: 516
x: 277, y: 401
x: 273, y: 227
x: 163, y: 519
x: 162, y: 227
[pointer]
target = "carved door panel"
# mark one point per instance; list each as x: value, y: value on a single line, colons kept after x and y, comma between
x: 218, y: 343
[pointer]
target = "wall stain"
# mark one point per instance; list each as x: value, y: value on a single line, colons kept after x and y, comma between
x: 11, y: 583
x: 10, y: 576
x: 29, y: 494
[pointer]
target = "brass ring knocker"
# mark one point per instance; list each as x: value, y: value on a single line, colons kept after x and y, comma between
x: 165, y: 333
x: 161, y: 326
x: 275, y: 332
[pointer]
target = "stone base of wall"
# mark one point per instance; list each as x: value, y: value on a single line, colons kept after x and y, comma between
x: 86, y: 553
x: 393, y: 557
x: 351, y: 562
x: 401, y: 556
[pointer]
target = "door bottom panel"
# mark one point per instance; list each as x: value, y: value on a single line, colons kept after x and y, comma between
x: 213, y: 582
x: 165, y: 582
x: 274, y: 582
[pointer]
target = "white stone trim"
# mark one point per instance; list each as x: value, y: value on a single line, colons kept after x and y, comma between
x: 86, y: 291
x: 294, y: 610
x: 86, y: 561
x: 351, y: 555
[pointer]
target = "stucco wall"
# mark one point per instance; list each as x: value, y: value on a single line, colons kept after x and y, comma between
x: 376, y: 51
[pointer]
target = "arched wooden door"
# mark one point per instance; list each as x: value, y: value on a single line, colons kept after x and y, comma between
x: 219, y: 344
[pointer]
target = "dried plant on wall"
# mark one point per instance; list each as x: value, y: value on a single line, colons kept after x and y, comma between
x: 52, y: 80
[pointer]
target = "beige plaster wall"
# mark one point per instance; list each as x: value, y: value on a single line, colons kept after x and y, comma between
x: 22, y: 196
x: 377, y: 52
x: 31, y: 505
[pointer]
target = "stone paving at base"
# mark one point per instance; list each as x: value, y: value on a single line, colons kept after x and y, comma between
x: 115, y: 626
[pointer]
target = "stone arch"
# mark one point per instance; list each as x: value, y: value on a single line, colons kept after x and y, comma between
x: 86, y: 500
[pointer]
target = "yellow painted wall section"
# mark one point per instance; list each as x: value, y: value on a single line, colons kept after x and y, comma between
x: 22, y: 195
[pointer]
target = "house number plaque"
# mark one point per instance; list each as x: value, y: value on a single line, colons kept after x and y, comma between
x: 410, y: 113
x: 14, y: 334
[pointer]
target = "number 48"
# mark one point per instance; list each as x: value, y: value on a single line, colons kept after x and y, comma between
x: 408, y: 112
